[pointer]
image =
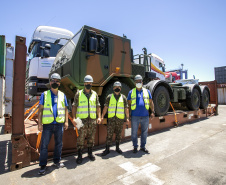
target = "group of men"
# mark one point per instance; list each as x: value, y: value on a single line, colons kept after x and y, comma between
x: 53, y: 117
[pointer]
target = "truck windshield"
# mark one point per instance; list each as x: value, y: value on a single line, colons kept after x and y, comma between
x: 38, y: 52
x: 67, y: 51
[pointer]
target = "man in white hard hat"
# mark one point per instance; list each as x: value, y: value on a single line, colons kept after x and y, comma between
x: 140, y: 100
x: 52, y: 117
x: 117, y: 107
x: 86, y: 106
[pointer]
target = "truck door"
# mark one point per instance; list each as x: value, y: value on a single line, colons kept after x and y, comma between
x: 96, y: 63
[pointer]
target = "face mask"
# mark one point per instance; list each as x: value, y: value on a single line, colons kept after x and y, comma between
x: 139, y: 85
x: 88, y: 86
x: 117, y: 90
x: 54, y: 85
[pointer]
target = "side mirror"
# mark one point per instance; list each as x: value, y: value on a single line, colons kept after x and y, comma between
x: 46, y: 51
x: 47, y: 46
x: 102, y: 43
x: 92, y: 44
x: 57, y: 41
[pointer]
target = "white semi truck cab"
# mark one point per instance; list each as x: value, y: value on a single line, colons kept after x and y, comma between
x: 42, y: 52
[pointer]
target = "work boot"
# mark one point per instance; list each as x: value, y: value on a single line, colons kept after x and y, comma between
x: 106, y: 151
x: 90, y: 154
x: 118, y: 149
x: 79, y: 159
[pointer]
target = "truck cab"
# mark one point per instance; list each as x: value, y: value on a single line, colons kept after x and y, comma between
x: 42, y: 52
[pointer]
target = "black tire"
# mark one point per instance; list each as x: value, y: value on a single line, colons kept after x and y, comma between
x: 193, y: 103
x: 161, y: 101
x: 204, y: 99
x: 108, y: 89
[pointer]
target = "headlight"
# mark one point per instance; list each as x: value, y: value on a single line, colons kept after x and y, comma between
x: 32, y: 84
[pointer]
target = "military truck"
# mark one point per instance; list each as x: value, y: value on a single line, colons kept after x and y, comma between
x: 109, y: 58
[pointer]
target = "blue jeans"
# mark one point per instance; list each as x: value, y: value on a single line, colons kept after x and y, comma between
x: 144, y: 122
x: 48, y: 130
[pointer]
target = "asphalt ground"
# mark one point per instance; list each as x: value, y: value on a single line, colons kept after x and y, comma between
x: 193, y: 153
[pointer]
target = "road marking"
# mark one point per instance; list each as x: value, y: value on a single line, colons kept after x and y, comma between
x: 143, y: 173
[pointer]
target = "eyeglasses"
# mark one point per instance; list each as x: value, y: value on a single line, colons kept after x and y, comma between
x: 56, y: 81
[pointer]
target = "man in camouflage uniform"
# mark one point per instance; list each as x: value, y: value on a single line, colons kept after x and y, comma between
x: 86, y: 106
x: 117, y: 107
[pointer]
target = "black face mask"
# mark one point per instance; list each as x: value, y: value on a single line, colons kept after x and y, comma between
x: 54, y: 85
x: 88, y: 86
x: 117, y: 90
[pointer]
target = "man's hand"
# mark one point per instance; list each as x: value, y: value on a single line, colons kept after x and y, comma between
x: 40, y: 127
x: 99, y: 121
x: 127, y: 120
x: 152, y: 115
x: 66, y: 125
x: 74, y: 122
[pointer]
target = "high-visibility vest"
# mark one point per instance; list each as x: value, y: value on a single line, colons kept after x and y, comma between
x: 120, y: 107
x: 47, y: 115
x: 87, y: 107
x: 134, y: 97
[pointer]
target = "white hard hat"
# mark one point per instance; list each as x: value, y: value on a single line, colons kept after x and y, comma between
x: 55, y: 76
x: 117, y: 83
x: 88, y: 78
x: 138, y: 77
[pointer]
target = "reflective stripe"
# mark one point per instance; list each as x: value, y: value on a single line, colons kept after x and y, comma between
x: 61, y: 108
x: 93, y: 112
x: 133, y: 99
x: 145, y: 97
x: 83, y: 112
x: 47, y: 116
x: 61, y: 115
x: 133, y: 104
x: 85, y: 106
x: 47, y: 109
x: 92, y: 106
x: 112, y: 107
x: 111, y: 112
x: 120, y: 108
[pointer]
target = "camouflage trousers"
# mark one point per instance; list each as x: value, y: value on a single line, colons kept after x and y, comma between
x: 87, y: 131
x: 114, y: 125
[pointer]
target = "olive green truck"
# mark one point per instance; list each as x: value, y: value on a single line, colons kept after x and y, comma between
x: 109, y: 58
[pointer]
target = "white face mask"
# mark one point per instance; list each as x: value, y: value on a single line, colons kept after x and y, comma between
x: 138, y: 85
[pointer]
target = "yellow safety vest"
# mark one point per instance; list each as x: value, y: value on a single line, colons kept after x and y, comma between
x: 47, y: 115
x: 134, y: 97
x: 87, y: 107
x: 120, y: 107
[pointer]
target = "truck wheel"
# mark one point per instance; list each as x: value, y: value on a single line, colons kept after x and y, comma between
x: 193, y: 103
x: 161, y: 101
x: 204, y: 99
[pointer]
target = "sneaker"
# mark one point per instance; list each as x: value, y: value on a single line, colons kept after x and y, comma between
x: 59, y: 165
x: 42, y: 170
x: 144, y: 150
x: 134, y: 150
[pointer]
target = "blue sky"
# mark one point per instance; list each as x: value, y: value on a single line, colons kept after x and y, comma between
x: 192, y: 32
